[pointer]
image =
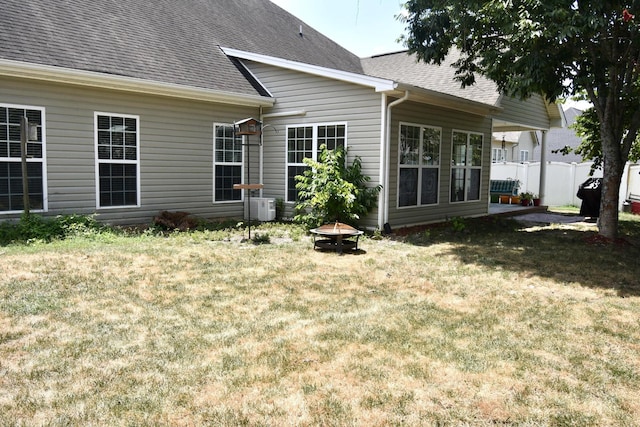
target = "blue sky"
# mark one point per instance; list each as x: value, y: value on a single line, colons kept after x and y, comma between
x: 364, y: 27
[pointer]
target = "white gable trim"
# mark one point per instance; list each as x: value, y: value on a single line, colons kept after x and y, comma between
x: 380, y: 85
x: 72, y: 76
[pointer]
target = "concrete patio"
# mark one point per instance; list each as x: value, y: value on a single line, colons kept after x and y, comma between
x: 505, y: 209
x: 533, y: 214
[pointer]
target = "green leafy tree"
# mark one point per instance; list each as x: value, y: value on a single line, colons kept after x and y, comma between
x: 557, y: 48
x: 587, y: 127
x: 329, y: 190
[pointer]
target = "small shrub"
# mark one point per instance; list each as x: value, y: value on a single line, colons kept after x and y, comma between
x: 175, y: 221
x: 330, y: 190
x: 261, y: 239
x: 32, y: 228
x: 458, y: 224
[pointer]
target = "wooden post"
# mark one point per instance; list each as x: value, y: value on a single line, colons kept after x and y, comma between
x: 245, y: 128
x: 245, y: 142
x: 24, y: 137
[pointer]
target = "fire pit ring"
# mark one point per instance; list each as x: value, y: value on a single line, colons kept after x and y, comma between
x: 331, y: 236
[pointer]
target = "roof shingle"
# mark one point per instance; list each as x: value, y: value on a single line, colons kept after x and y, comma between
x: 164, y: 40
x: 404, y: 68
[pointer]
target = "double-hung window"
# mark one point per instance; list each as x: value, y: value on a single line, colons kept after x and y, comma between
x: 117, y: 139
x: 524, y: 156
x: 304, y: 142
x: 227, y: 163
x: 419, y: 165
x: 466, y: 167
x: 11, y: 190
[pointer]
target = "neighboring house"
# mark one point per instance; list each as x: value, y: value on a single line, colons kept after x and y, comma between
x: 505, y: 147
x: 135, y: 102
x: 563, y: 137
x: 521, y: 147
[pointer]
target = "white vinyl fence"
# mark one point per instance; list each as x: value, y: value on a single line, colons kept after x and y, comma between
x: 563, y: 180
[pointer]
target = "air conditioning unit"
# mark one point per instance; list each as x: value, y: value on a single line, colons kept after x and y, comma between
x: 263, y: 208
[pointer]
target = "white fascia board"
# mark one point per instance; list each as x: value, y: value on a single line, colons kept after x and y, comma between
x: 380, y: 85
x: 72, y: 76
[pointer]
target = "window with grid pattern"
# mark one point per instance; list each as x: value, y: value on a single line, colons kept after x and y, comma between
x: 117, y: 160
x: 11, y: 190
x: 466, y: 166
x: 419, y: 165
x: 304, y: 142
x: 227, y: 164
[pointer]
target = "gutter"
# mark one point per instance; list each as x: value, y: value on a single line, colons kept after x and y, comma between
x: 385, y: 153
x: 22, y: 70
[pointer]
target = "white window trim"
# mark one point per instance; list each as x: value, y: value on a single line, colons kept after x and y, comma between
x: 128, y: 162
x: 418, y: 166
x: 215, y: 163
x: 522, y: 153
x: 502, y: 152
x: 467, y: 166
x: 314, y: 147
x: 43, y: 159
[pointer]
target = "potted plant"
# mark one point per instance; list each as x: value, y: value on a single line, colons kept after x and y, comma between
x: 526, y: 198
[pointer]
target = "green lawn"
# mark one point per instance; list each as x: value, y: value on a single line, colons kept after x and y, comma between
x: 475, y: 322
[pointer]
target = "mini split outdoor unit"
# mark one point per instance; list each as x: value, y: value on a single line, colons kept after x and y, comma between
x: 263, y: 208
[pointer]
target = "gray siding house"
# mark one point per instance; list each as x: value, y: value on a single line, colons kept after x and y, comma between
x: 526, y: 146
x: 134, y: 104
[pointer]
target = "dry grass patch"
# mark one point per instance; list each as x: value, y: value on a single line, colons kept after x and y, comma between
x: 493, y: 325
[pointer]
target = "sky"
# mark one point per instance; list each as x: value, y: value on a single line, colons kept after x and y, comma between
x: 364, y: 27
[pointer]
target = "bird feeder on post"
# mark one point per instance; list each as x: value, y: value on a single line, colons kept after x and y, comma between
x: 246, y: 128
x: 28, y: 132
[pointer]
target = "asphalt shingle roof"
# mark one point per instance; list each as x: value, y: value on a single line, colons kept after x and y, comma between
x: 404, y: 68
x: 170, y: 41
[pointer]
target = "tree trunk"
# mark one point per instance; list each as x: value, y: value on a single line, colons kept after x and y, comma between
x: 613, y: 169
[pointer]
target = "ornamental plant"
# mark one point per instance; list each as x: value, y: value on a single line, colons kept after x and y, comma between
x: 330, y: 190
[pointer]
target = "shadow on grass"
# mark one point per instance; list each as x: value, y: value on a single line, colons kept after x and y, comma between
x: 566, y: 255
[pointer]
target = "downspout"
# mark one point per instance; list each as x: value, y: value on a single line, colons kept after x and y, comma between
x: 261, y: 167
x: 263, y: 117
x: 385, y: 153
